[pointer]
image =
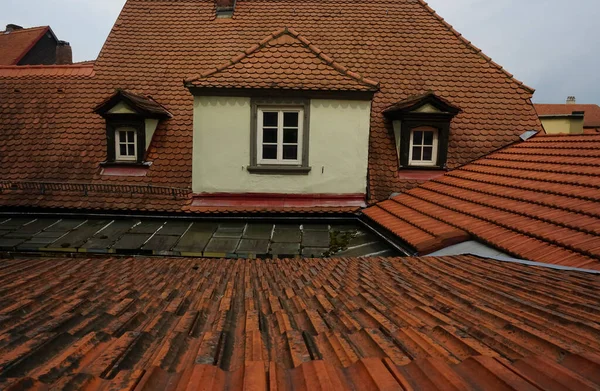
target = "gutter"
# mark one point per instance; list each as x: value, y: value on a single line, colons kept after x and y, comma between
x: 539, y: 264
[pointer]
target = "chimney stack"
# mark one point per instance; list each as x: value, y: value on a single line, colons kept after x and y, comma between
x: 225, y: 8
x: 571, y: 100
x: 64, y: 53
x: 13, y: 27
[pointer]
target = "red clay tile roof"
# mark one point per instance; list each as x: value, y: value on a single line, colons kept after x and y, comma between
x: 16, y: 44
x: 401, y: 44
x: 337, y: 324
x: 284, y: 60
x: 591, y: 117
x: 538, y: 200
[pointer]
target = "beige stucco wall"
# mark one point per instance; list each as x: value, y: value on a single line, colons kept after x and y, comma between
x: 572, y: 125
x: 338, y: 149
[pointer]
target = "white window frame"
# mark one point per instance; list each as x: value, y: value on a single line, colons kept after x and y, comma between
x: 259, y: 137
x: 125, y: 158
x: 434, y: 153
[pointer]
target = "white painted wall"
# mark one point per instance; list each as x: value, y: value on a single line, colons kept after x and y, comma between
x: 338, y: 150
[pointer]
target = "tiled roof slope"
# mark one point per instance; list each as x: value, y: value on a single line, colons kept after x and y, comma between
x: 538, y: 200
x: 591, y: 118
x: 284, y: 60
x: 337, y: 324
x: 155, y: 45
x: 15, y: 45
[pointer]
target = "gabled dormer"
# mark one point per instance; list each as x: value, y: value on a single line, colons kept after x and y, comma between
x: 131, y: 121
x: 421, y: 130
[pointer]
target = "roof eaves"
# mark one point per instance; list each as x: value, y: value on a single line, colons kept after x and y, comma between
x: 477, y: 50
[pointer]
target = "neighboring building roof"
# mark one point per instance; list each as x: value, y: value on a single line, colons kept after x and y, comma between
x: 16, y: 44
x: 284, y: 60
x: 54, y: 136
x: 47, y: 71
x: 538, y: 200
x: 591, y: 116
x: 342, y: 323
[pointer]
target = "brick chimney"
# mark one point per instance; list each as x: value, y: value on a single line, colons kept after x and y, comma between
x: 64, y: 54
x: 225, y: 8
x: 571, y: 100
x: 13, y: 27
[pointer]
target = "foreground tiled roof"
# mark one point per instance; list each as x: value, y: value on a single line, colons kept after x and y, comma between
x: 591, y: 117
x: 284, y: 60
x: 427, y: 324
x: 16, y: 44
x: 538, y: 200
x: 49, y: 132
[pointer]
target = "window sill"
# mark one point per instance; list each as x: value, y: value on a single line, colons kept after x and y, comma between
x: 424, y: 168
x: 278, y: 170
x: 126, y: 164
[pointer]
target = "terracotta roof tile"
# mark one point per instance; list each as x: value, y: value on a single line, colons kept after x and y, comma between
x: 16, y: 44
x: 538, y: 200
x: 401, y: 44
x: 341, y: 323
x: 591, y: 117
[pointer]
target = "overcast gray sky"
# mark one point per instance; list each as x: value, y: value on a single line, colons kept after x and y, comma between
x: 551, y: 45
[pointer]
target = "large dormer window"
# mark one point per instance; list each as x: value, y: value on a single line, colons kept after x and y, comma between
x: 131, y: 121
x: 422, y: 130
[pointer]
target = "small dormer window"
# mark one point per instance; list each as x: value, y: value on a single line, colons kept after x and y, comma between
x: 126, y: 144
x: 423, y: 146
x: 422, y: 130
x: 131, y: 121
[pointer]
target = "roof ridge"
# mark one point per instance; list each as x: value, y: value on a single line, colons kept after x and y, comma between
x: 27, y: 29
x: 475, y: 48
x: 74, y: 65
x: 304, y: 41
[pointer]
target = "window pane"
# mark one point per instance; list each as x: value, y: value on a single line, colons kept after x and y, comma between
x: 270, y: 118
x: 428, y: 138
x: 290, y: 152
x: 123, y: 149
x: 416, y: 153
x: 290, y: 136
x: 290, y: 120
x: 269, y: 152
x: 130, y: 149
x: 428, y: 153
x: 269, y: 135
x: 418, y: 137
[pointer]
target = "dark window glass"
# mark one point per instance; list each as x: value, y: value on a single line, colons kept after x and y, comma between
x: 290, y: 152
x: 290, y: 136
x: 416, y: 153
x: 123, y: 149
x: 269, y: 135
x: 428, y: 138
x: 290, y: 120
x: 270, y: 118
x: 269, y: 152
x: 428, y: 153
x: 418, y: 137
